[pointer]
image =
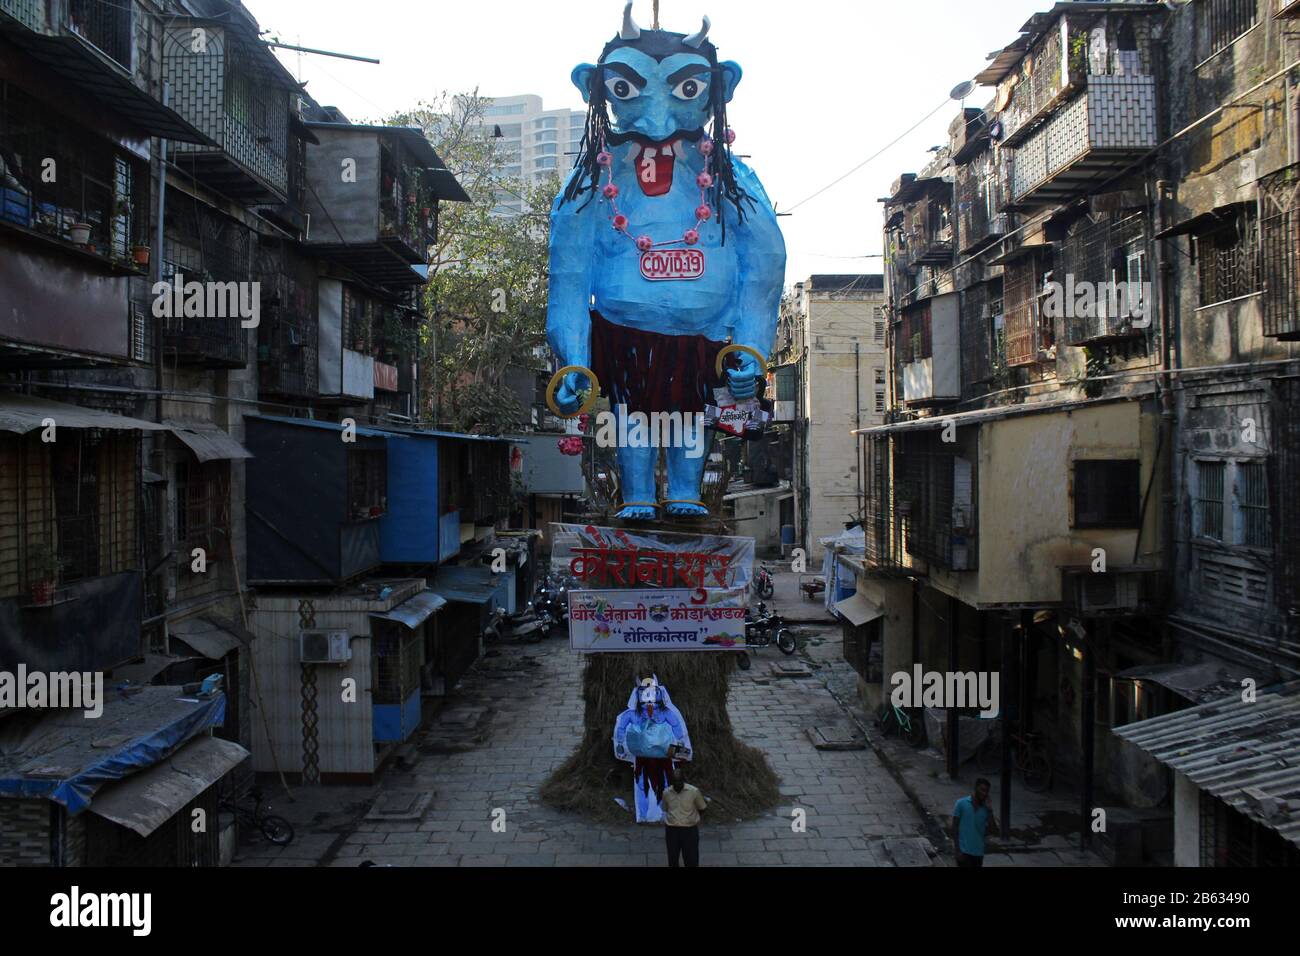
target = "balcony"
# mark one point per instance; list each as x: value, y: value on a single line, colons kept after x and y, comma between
x: 1280, y: 231
x: 982, y: 192
x: 287, y: 338
x: 90, y: 45
x: 345, y: 354
x: 1108, y: 259
x: 1095, y: 136
x: 65, y: 245
x: 205, y: 247
x: 380, y: 216
x: 237, y: 94
x: 931, y: 351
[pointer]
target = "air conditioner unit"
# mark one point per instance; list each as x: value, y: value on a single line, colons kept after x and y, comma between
x: 324, y: 647
x: 1096, y: 593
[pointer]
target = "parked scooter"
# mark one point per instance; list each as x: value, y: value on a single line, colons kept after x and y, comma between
x: 763, y: 585
x: 526, y: 627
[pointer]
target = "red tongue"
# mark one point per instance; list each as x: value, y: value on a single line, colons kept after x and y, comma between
x: 654, y: 169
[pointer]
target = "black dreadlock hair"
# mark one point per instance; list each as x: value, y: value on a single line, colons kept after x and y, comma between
x: 658, y: 44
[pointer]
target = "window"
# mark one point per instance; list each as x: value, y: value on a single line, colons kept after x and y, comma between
x: 1228, y: 260
x: 367, y: 484
x: 546, y: 122
x: 546, y: 149
x: 1252, y: 505
x: 545, y: 162
x: 1106, y: 494
x: 202, y: 505
x: 880, y: 401
x: 1220, y: 22
x: 1207, y: 520
x: 514, y: 109
x: 880, y: 333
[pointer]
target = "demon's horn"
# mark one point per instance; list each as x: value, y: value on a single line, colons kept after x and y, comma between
x: 696, y: 40
x: 630, y: 30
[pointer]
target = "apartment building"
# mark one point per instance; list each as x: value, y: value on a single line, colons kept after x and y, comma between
x: 202, y: 273
x: 831, y: 346
x: 536, y: 143
x: 1084, y: 480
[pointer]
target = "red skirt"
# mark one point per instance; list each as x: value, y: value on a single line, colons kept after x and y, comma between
x: 651, y: 372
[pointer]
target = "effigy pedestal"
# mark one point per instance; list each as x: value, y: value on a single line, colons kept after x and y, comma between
x: 593, y: 781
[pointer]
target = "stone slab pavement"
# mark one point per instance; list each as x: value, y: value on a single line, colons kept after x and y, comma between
x: 532, y: 716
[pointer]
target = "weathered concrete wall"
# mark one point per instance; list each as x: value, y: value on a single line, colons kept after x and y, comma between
x: 1026, y: 498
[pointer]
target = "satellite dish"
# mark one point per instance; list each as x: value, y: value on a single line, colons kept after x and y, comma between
x: 962, y: 90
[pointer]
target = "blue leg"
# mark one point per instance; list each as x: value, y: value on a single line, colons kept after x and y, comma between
x: 685, y: 469
x: 636, y: 471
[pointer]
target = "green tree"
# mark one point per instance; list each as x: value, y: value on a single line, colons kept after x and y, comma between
x: 487, y: 273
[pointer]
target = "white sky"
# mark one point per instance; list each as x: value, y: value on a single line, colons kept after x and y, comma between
x: 827, y: 82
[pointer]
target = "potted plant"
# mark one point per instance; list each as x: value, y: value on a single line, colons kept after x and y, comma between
x: 140, y: 255
x: 43, y: 573
x: 79, y: 233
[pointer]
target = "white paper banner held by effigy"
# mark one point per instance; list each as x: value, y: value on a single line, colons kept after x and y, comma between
x: 675, y: 619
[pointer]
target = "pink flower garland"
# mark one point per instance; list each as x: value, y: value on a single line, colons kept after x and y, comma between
x: 703, y: 212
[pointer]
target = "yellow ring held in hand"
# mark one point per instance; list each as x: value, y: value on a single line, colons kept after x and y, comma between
x: 592, y: 397
x: 727, y: 350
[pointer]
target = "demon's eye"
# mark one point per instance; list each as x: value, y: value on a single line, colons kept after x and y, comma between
x: 621, y: 89
x: 690, y: 89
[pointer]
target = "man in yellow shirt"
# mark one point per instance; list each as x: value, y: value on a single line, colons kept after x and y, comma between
x: 681, y: 805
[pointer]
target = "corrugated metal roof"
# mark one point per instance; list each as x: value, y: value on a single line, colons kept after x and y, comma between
x: 1245, y: 754
x: 390, y: 431
x: 27, y: 413
x: 315, y: 423
x: 413, y: 612
x: 214, y: 641
x: 466, y: 584
x: 208, y: 442
x: 978, y: 416
x: 148, y: 799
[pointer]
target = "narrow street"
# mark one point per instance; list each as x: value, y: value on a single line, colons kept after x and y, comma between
x: 516, y: 717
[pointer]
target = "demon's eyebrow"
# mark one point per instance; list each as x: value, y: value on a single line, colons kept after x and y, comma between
x: 686, y: 72
x: 629, y: 74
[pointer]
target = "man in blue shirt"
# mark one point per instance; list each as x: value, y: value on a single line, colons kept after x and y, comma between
x: 971, y: 818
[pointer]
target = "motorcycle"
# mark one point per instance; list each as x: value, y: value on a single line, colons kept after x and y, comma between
x: 764, y: 628
x: 552, y: 601
x: 763, y: 585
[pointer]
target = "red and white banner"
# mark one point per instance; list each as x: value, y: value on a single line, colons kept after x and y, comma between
x: 711, y: 619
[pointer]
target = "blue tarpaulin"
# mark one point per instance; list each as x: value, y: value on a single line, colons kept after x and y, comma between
x: 65, y: 756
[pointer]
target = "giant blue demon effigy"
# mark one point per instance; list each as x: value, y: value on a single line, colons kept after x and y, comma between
x: 666, y: 260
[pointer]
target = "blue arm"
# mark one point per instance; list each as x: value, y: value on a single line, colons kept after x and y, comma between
x: 568, y: 311
x: 760, y: 278
x: 620, y: 736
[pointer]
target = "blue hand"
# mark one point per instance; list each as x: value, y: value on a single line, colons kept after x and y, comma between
x: 568, y: 397
x: 743, y: 381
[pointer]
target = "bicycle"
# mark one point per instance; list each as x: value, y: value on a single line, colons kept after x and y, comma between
x: 894, y: 720
x: 1029, y: 755
x: 275, y: 830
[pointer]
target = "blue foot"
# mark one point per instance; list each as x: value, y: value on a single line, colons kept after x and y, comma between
x: 636, y: 513
x: 687, y: 511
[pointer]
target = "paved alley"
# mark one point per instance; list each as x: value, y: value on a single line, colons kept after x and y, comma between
x: 517, y: 716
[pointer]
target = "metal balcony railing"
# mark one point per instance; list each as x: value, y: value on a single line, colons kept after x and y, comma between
x: 1280, y: 231
x: 104, y: 25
